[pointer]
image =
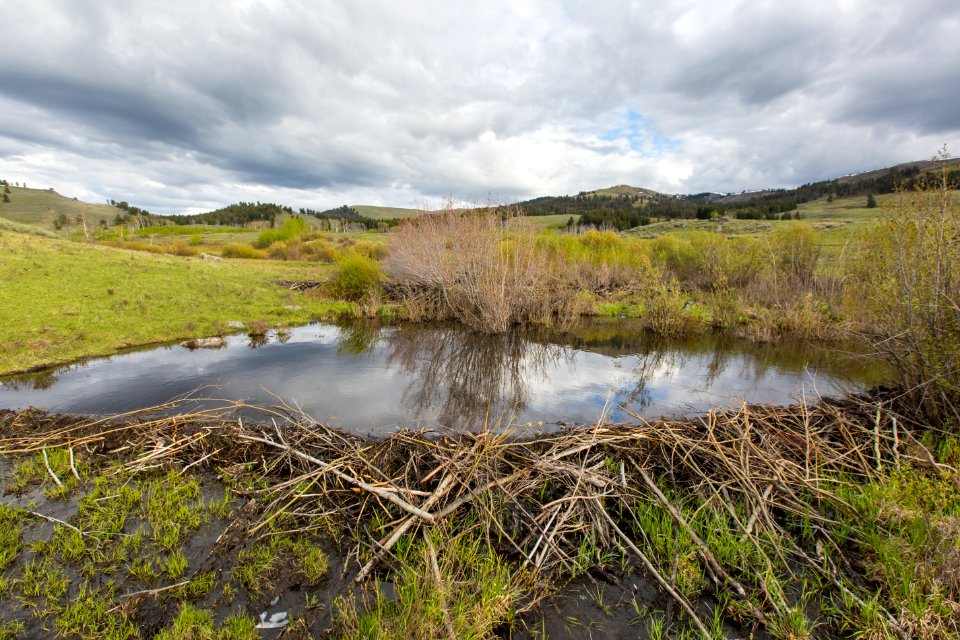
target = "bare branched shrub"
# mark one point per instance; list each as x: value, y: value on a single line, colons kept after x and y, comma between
x: 472, y: 266
x: 911, y: 270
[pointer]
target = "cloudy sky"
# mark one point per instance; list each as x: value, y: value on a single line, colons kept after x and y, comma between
x: 190, y: 105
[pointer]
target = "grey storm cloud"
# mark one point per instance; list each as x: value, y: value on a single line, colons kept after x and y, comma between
x: 191, y: 105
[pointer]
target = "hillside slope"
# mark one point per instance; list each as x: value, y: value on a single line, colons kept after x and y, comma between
x: 385, y: 213
x: 625, y: 190
x: 40, y: 207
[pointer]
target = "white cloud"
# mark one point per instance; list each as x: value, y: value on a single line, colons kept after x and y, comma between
x: 191, y: 105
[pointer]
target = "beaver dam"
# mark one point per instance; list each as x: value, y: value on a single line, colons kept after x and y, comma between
x: 373, y: 379
x: 796, y: 521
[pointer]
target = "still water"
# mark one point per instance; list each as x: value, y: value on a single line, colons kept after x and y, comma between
x: 369, y: 378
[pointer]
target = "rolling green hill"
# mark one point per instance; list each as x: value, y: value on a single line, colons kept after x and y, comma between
x: 624, y: 190
x: 385, y: 213
x: 39, y: 207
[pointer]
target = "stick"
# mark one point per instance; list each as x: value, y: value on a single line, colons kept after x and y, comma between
x: 402, y: 529
x: 152, y: 591
x: 77, y: 475
x: 653, y: 571
x: 52, y: 474
x: 756, y: 512
x: 704, y: 549
x: 876, y: 439
x: 435, y: 569
x: 55, y: 521
x: 896, y: 442
x: 386, y: 495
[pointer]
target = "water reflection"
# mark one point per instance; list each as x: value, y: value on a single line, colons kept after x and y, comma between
x: 464, y: 377
x: 33, y: 381
x: 368, y: 377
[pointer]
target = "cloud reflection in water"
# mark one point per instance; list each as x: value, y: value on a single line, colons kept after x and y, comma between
x: 370, y: 378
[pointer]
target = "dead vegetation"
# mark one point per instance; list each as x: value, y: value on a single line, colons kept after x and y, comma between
x: 763, y: 509
x: 469, y: 266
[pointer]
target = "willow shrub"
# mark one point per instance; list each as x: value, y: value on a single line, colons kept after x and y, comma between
x: 292, y: 229
x: 478, y: 268
x: 355, y: 278
x: 909, y: 274
x: 707, y: 260
x: 601, y: 261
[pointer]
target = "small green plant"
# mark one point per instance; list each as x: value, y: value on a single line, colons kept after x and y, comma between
x: 445, y: 587
x: 355, y: 278
x: 175, y: 565
x: 192, y: 623
x: 43, y: 579
x: 89, y: 616
x: 11, y: 629
x: 173, y: 508
x: 11, y: 539
x: 259, y: 564
x: 656, y: 627
x: 144, y: 570
x: 792, y: 624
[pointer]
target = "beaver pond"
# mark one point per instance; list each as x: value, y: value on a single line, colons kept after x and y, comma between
x: 374, y: 378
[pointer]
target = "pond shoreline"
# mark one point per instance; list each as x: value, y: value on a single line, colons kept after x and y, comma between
x: 383, y: 376
x: 835, y: 336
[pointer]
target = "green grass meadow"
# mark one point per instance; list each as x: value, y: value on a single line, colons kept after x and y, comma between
x: 65, y: 300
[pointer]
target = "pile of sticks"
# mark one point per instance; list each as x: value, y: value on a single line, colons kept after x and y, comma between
x: 539, y: 495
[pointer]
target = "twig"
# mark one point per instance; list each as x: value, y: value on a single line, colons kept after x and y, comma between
x: 52, y: 474
x: 386, y: 495
x: 435, y: 569
x: 72, y: 467
x: 55, y: 521
x: 400, y: 530
x: 656, y: 574
x: 153, y: 591
x: 756, y: 512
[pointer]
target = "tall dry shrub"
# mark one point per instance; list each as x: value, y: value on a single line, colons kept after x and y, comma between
x: 470, y: 266
x: 910, y: 271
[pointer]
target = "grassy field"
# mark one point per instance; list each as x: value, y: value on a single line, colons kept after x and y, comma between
x: 385, y: 213
x: 39, y: 207
x: 550, y: 222
x: 19, y: 227
x: 837, y: 223
x: 64, y: 300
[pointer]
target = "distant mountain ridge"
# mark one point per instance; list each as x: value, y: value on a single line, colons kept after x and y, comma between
x: 621, y: 206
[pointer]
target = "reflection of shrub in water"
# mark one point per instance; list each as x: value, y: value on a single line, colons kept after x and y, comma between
x: 37, y: 381
x: 257, y: 341
x: 358, y: 337
x: 470, y: 377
